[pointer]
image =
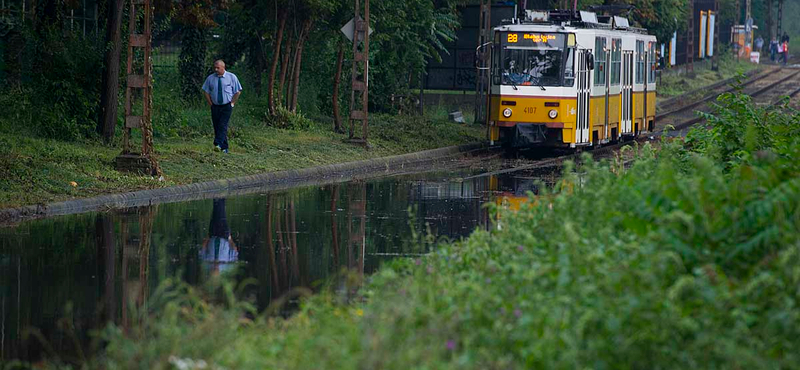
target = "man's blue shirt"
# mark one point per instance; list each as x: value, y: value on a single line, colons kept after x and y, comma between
x: 230, y: 86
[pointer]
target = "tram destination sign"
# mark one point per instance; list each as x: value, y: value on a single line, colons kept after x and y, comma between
x: 533, y: 39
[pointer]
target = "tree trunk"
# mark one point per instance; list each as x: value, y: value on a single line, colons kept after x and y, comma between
x: 257, y: 52
x: 284, y: 68
x: 106, y: 252
x: 770, y: 33
x: 298, y: 59
x: 337, y: 79
x: 109, y: 94
x: 273, y: 69
x: 334, y: 225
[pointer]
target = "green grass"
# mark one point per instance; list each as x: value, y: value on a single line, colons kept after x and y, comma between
x: 686, y: 258
x: 35, y: 169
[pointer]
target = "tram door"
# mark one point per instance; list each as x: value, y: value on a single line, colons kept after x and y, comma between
x: 584, y: 89
x: 607, y: 71
x: 626, y: 108
x: 646, y: 58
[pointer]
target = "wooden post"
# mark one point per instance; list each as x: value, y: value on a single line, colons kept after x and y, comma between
x: 143, y: 162
x: 359, y: 94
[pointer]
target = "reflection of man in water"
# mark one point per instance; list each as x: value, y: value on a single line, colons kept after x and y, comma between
x: 219, y: 250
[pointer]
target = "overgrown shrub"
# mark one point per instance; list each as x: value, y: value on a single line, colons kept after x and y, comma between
x: 740, y: 129
x: 287, y: 119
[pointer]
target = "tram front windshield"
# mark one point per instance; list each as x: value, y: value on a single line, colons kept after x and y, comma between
x: 535, y: 59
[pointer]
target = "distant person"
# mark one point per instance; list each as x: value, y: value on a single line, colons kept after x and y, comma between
x: 786, y: 51
x: 219, y: 251
x: 759, y: 44
x: 773, y: 48
x: 222, y: 90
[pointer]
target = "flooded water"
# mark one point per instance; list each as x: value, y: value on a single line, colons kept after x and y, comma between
x: 86, y: 269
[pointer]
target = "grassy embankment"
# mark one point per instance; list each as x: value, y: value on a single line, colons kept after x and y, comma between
x: 687, y: 258
x: 36, y: 169
x: 674, y: 84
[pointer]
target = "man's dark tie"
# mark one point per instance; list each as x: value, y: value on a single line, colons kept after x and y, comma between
x: 219, y: 90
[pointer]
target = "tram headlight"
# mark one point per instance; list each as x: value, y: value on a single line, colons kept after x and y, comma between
x: 552, y: 114
x: 507, y: 112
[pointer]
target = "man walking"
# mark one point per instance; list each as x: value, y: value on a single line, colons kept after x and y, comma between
x: 222, y: 90
x: 773, y: 48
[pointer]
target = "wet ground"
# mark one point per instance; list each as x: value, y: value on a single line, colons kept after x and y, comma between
x: 87, y: 269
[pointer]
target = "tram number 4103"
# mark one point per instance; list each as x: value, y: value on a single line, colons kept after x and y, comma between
x: 531, y: 110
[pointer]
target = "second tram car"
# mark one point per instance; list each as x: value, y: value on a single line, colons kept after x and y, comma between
x: 569, y: 81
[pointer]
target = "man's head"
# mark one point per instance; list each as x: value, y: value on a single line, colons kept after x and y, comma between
x: 219, y: 67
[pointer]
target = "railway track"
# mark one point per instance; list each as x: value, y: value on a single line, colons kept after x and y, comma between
x: 765, y: 87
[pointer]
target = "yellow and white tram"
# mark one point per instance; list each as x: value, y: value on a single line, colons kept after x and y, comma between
x: 570, y: 83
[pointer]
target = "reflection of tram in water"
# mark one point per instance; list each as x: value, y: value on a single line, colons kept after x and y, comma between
x: 570, y: 80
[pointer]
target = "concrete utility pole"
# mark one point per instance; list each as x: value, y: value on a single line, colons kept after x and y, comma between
x: 748, y: 29
x: 142, y: 82
x: 780, y: 17
x: 482, y: 61
x: 359, y: 95
x: 770, y: 34
x: 714, y: 59
x: 690, y: 40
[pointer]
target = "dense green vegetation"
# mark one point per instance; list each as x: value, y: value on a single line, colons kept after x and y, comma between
x: 686, y: 257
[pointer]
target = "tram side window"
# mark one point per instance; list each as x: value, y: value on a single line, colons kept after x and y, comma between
x: 569, y: 68
x: 652, y: 77
x: 599, y: 61
x: 616, y: 60
x: 640, y: 62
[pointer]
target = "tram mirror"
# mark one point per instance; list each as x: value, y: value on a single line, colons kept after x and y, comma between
x: 590, y: 61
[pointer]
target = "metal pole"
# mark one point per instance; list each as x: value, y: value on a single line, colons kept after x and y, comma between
x: 690, y: 40
x: 365, y: 95
x: 780, y: 18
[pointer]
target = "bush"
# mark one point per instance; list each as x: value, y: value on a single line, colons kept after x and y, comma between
x: 287, y: 119
x: 740, y: 129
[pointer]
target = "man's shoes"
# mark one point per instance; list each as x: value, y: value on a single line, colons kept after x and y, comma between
x: 217, y: 148
x: 225, y: 151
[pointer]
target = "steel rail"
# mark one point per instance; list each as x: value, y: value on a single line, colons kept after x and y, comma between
x: 758, y: 92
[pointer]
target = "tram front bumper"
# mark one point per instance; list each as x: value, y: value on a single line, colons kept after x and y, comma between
x: 528, y: 134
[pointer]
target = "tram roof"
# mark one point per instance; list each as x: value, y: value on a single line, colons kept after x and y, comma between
x: 568, y: 21
x: 544, y: 27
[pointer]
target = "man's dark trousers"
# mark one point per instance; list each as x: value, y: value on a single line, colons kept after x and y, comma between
x: 220, y: 115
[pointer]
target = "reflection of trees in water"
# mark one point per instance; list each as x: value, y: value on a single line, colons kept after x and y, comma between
x: 356, y: 220
x: 285, y: 265
x: 109, y: 263
x: 135, y: 250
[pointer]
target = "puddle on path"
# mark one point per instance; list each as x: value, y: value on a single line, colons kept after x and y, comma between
x: 101, y: 263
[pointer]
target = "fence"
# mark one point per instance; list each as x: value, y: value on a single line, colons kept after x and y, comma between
x: 78, y: 15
